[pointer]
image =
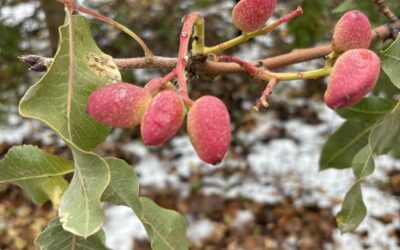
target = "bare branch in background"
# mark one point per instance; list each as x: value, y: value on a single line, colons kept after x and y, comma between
x: 385, y: 9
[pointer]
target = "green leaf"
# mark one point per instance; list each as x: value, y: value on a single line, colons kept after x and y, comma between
x: 307, y: 28
x: 343, y: 7
x: 383, y: 136
x: 54, y: 237
x: 80, y: 208
x: 59, y: 100
x: 38, y: 173
x: 369, y: 109
x: 166, y: 228
x: 124, y: 185
x: 341, y: 147
x: 353, y: 210
x: 61, y: 105
x: 390, y: 59
x: 384, y: 86
x: 363, y: 163
x: 395, y: 152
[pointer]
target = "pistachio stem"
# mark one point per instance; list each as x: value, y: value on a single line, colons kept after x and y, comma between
x: 249, y: 35
x: 188, y: 23
x: 263, y: 74
x: 262, y: 102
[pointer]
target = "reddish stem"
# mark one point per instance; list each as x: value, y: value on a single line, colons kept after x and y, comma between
x: 76, y: 6
x: 83, y: 9
x: 186, y: 33
x: 245, y: 65
x: 256, y: 73
x: 160, y: 81
x: 266, y: 93
x: 189, y: 102
x: 70, y: 4
x: 291, y: 15
x: 249, y: 67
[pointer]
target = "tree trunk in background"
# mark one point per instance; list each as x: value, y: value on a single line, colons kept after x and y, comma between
x: 54, y: 12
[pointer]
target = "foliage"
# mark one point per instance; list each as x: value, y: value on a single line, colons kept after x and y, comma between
x: 80, y: 68
x: 38, y: 173
x: 51, y: 237
x: 61, y: 105
x: 391, y: 62
x: 371, y: 129
x: 311, y: 26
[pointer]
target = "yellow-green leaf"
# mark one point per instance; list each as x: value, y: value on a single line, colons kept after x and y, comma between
x: 40, y: 174
x: 80, y: 210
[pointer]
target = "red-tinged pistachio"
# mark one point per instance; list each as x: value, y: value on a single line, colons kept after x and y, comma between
x: 208, y: 125
x: 162, y: 119
x: 354, y: 74
x: 250, y: 15
x: 353, y: 31
x: 119, y: 104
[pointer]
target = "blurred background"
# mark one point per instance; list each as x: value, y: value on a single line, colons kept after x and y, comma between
x: 267, y: 194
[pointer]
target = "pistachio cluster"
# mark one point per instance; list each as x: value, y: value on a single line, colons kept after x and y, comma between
x: 161, y: 114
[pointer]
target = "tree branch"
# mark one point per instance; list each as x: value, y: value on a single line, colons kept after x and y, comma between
x: 385, y: 9
x: 210, y: 68
x: 54, y: 16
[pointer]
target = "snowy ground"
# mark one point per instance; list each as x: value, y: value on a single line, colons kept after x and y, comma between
x: 290, y: 165
x: 280, y: 167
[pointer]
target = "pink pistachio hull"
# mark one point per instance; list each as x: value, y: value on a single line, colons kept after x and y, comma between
x: 162, y: 119
x: 250, y: 15
x: 354, y: 74
x: 353, y: 31
x: 118, y: 105
x: 208, y: 126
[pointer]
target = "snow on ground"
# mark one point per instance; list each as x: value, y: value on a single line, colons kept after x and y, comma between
x: 18, y: 129
x: 122, y: 226
x: 287, y: 164
x: 18, y: 13
x: 278, y: 168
